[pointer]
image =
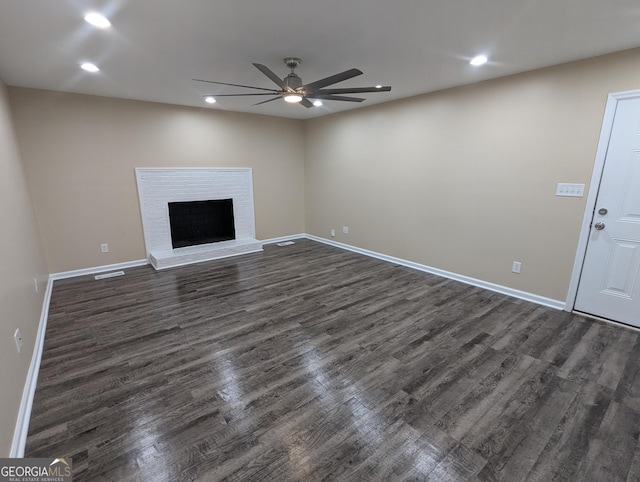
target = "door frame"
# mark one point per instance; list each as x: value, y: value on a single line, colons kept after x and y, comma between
x: 596, y: 176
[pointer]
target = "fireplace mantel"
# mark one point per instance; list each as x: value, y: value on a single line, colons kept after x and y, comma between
x: 157, y: 187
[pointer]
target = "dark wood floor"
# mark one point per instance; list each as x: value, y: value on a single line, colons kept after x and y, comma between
x: 308, y: 362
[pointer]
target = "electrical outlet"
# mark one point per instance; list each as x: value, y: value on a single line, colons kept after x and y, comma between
x: 345, y: 230
x: 35, y: 283
x: 104, y: 248
x: 17, y: 336
x: 515, y: 268
x: 333, y: 233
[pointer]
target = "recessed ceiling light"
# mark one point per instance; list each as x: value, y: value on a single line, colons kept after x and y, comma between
x: 479, y: 60
x: 317, y: 103
x: 97, y: 20
x: 210, y: 100
x: 89, y: 67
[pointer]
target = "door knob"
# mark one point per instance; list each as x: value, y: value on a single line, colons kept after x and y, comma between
x: 599, y: 226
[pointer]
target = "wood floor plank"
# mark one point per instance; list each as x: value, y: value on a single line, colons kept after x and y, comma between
x: 308, y: 362
x: 489, y: 434
x: 601, y: 345
x: 569, y: 445
x: 628, y: 389
x: 501, y: 384
x: 611, y: 453
x: 516, y: 449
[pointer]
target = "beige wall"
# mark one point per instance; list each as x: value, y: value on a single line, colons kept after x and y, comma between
x: 464, y: 179
x: 21, y: 260
x: 80, y: 153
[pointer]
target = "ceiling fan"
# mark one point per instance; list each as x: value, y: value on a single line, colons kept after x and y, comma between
x: 294, y: 91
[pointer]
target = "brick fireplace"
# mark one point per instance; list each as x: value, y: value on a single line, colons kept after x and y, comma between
x: 161, y: 190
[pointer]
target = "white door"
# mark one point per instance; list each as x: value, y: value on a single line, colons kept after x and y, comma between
x: 610, y: 281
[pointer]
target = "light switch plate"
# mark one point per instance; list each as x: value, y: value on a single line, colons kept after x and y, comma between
x: 570, y: 190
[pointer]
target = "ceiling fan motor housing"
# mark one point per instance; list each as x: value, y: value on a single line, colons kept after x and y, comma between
x: 293, y: 81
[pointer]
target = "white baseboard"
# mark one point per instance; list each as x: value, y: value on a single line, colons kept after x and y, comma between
x: 523, y: 295
x: 24, y: 413
x: 97, y: 269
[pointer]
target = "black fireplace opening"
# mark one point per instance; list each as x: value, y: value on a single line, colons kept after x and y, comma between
x: 201, y: 222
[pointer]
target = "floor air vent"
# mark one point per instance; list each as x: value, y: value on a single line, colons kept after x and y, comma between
x: 110, y: 275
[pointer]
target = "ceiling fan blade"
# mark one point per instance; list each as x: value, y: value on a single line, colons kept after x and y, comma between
x: 336, y: 97
x: 274, y: 78
x: 306, y: 102
x: 235, y: 85
x: 333, y: 79
x: 356, y: 90
x: 268, y: 100
x: 240, y: 95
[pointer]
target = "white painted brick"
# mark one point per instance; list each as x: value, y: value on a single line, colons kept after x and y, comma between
x: 158, y: 187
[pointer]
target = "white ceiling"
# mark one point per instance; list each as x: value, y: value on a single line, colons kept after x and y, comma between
x: 155, y: 47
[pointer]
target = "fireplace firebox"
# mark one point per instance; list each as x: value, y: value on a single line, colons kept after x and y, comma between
x: 201, y: 222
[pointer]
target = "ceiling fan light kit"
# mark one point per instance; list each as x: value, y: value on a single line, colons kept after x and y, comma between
x: 293, y: 91
x: 292, y: 98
